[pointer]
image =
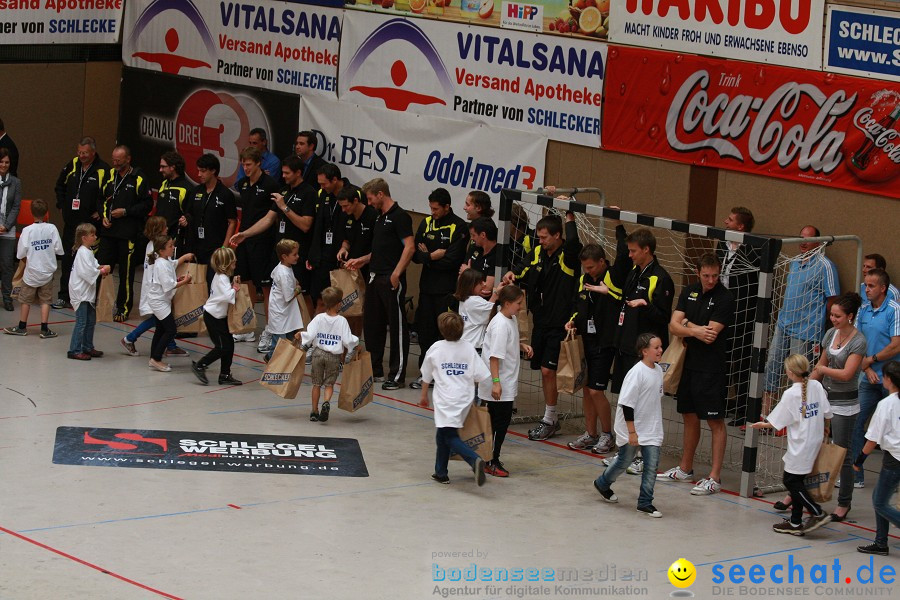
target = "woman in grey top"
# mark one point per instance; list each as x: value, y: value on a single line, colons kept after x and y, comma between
x: 843, y: 349
x: 10, y: 199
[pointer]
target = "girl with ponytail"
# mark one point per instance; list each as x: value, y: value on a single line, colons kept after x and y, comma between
x: 805, y: 412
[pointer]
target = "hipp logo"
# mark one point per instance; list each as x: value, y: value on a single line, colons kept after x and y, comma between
x: 169, y: 61
x: 132, y: 437
x: 218, y: 123
x: 388, y: 36
x: 521, y: 11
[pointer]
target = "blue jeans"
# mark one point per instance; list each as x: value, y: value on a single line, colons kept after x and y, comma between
x: 447, y: 439
x: 83, y: 333
x: 781, y: 347
x: 625, y: 457
x: 869, y: 397
x: 141, y: 329
x: 885, y: 512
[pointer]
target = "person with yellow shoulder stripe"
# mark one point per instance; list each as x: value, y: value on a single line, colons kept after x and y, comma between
x: 126, y: 204
x: 170, y: 201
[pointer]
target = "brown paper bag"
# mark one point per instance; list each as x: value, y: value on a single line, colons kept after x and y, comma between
x: 17, y: 280
x: 241, y: 316
x: 304, y: 311
x: 477, y: 434
x: 284, y: 371
x: 195, y: 270
x: 826, y: 469
x: 572, y: 366
x: 353, y: 288
x: 672, y: 363
x: 106, y: 299
x: 187, y: 307
x: 524, y: 321
x: 357, y: 384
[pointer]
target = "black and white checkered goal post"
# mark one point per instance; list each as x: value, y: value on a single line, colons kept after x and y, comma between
x: 768, y: 248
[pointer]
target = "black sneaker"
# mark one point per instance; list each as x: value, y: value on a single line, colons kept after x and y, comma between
x: 323, y: 414
x: 229, y: 380
x: 874, y: 549
x: 314, y: 417
x: 608, y: 495
x: 650, y: 511
x: 392, y: 385
x: 60, y: 303
x: 441, y: 478
x: 200, y: 372
x: 416, y: 385
x: 479, y: 472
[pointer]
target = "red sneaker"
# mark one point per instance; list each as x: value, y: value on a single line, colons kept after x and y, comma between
x: 496, y: 469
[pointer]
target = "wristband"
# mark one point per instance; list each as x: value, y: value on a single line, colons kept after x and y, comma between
x: 861, y: 459
x: 496, y: 380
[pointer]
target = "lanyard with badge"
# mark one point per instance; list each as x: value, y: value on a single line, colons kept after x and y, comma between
x: 76, y: 201
x: 116, y: 186
x: 282, y: 222
x: 201, y: 232
x: 637, y: 287
x: 591, y: 326
x: 329, y: 235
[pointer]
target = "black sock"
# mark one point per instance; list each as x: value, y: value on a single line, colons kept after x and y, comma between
x: 44, y: 327
x: 22, y: 324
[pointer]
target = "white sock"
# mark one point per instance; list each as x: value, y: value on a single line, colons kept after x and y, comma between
x: 550, y: 414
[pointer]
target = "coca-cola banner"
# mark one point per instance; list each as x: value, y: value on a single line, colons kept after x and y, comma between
x: 807, y: 126
x: 784, y: 32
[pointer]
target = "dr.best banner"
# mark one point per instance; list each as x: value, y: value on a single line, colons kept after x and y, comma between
x: 60, y: 21
x: 416, y: 154
x: 545, y: 85
x: 808, y: 126
x: 194, y: 117
x: 785, y: 32
x: 281, y: 46
x: 863, y: 42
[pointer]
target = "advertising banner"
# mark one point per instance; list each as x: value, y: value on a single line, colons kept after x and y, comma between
x: 416, y: 154
x: 550, y: 86
x: 196, y: 117
x: 281, y: 46
x: 60, y: 21
x: 807, y: 126
x: 784, y: 32
x: 864, y: 42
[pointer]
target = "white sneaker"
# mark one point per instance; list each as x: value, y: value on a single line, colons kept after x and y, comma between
x: 609, y: 460
x: 706, y: 486
x: 604, y: 444
x: 265, y: 342
x: 676, y: 474
x: 244, y: 337
x: 636, y: 467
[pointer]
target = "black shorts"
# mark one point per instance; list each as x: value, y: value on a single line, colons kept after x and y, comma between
x: 255, y: 261
x: 702, y: 393
x: 546, y: 342
x: 599, y: 364
x: 623, y: 364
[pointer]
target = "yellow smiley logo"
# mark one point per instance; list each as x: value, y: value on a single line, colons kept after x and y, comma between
x: 682, y: 573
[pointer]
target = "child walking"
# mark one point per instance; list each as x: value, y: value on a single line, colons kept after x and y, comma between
x: 454, y: 367
x: 83, y: 293
x: 39, y: 245
x: 215, y: 315
x: 328, y: 335
x: 638, y: 424
x: 160, y: 291
x: 284, y: 312
x: 155, y: 227
x: 805, y: 411
x: 500, y: 353
x: 884, y: 430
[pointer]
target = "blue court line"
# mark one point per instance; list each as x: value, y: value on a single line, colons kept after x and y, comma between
x: 725, y: 560
x: 852, y: 538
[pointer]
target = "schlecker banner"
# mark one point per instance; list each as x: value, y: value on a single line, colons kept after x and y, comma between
x: 807, y: 126
x: 60, y: 21
x: 865, y: 42
x: 785, y: 32
x: 548, y: 85
x: 280, y: 46
x: 416, y: 154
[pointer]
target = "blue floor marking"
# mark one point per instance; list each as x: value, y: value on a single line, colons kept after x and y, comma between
x: 724, y: 560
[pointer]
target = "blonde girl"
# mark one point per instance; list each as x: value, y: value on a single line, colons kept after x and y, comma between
x: 83, y: 293
x: 222, y: 293
x: 161, y: 286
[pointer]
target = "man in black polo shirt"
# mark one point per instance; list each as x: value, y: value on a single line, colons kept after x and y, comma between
x: 127, y: 202
x: 440, y: 249
x: 358, y: 230
x: 170, y: 201
x: 392, y: 250
x: 210, y: 213
x: 703, y: 313
x: 483, y: 253
x: 305, y: 149
x: 256, y: 257
x: 552, y: 271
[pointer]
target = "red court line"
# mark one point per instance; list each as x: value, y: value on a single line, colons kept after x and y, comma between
x: 87, y: 564
x: 52, y: 323
x: 235, y: 506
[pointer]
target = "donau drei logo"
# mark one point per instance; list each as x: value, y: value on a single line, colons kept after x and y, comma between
x: 391, y: 35
x: 172, y: 59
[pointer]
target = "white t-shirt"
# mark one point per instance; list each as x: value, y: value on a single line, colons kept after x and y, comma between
x: 642, y: 390
x: 501, y: 340
x: 284, y: 312
x: 161, y: 288
x: 455, y: 368
x: 143, y: 307
x: 83, y: 280
x: 805, y: 429
x: 221, y: 294
x: 475, y: 312
x: 329, y: 333
x: 39, y: 245
x: 884, y: 428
